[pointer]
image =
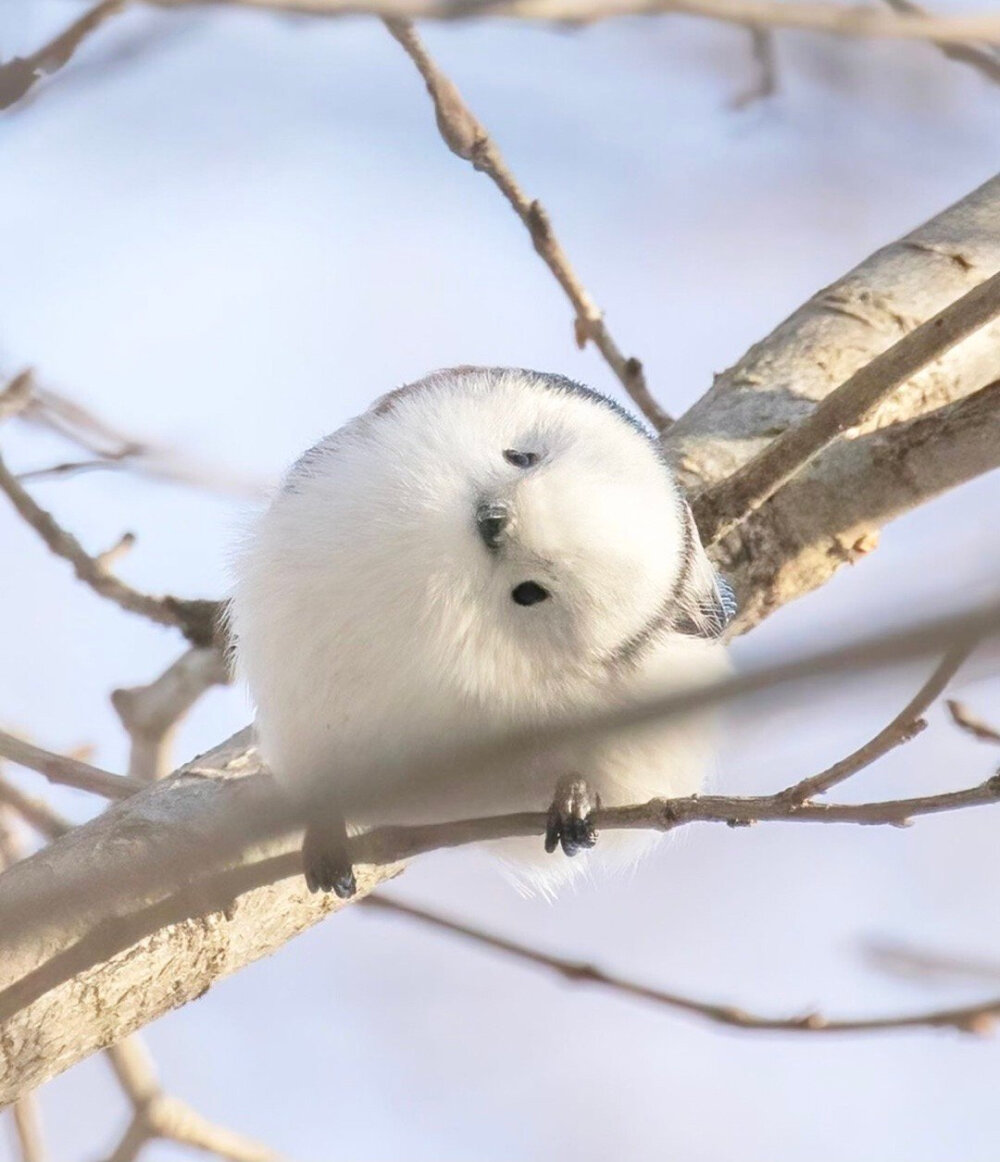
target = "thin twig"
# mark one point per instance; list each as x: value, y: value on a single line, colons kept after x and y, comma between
x: 467, y: 138
x: 963, y: 718
x: 906, y: 960
x: 387, y: 845
x: 765, y: 83
x: 197, y: 620
x: 719, y: 509
x: 16, y: 396
x: 218, y: 889
x: 983, y: 60
x: 66, y: 771
x: 20, y: 74
x: 975, y: 1018
x: 35, y: 812
x: 907, y: 724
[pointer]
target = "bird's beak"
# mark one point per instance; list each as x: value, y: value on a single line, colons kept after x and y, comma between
x: 492, y: 519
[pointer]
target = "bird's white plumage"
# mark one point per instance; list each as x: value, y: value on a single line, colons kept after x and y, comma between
x: 373, y: 623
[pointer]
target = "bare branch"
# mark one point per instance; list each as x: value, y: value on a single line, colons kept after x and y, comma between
x: 971, y: 723
x: 112, y: 450
x: 197, y: 620
x: 975, y: 1018
x: 983, y: 60
x: 25, y: 1112
x: 66, y: 771
x: 906, y: 960
x: 830, y: 515
x: 860, y: 20
x: 467, y: 138
x: 20, y: 74
x: 722, y: 507
x: 28, y: 1127
x: 158, y: 1115
x: 150, y: 714
x: 16, y: 396
x: 220, y: 847
x: 907, y: 724
x: 36, y: 812
x: 766, y: 82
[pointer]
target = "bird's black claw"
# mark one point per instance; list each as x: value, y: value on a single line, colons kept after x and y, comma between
x: 570, y: 820
x: 325, y: 862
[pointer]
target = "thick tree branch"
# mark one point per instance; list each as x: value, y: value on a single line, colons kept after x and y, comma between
x: 975, y: 1018
x: 718, y: 509
x: 861, y: 20
x: 831, y: 514
x: 207, y: 866
x: 155, y: 1114
x: 983, y: 60
x: 467, y: 138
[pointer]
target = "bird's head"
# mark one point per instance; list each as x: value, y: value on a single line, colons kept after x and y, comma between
x: 509, y: 515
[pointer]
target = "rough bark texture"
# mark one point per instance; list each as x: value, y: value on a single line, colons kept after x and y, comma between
x: 843, y: 327
x: 127, y: 860
x: 132, y: 857
x: 786, y: 550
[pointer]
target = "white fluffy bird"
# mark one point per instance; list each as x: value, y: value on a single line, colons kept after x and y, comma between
x: 485, y: 548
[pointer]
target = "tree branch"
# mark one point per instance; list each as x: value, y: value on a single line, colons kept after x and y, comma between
x: 983, y: 60
x: 972, y: 724
x: 830, y: 515
x: 157, y: 1115
x: 66, y: 771
x: 196, y: 619
x: 195, y: 861
x: 975, y: 1018
x: 20, y: 74
x: 720, y: 508
x: 151, y: 714
x: 860, y: 20
x: 468, y: 139
x: 907, y: 724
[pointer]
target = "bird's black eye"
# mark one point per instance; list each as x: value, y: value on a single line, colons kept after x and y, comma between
x: 528, y: 593
x: 520, y: 459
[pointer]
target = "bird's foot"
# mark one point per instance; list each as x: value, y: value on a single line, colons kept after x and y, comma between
x: 570, y: 822
x: 325, y: 861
